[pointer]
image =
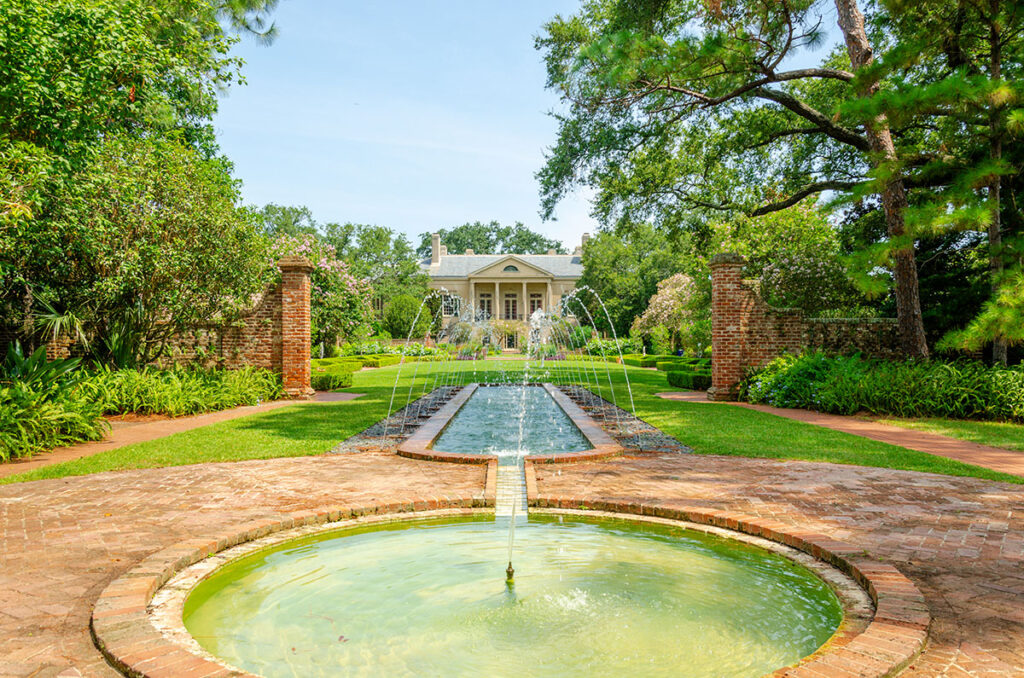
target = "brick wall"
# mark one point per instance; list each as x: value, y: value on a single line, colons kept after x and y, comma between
x: 273, y: 334
x: 747, y: 333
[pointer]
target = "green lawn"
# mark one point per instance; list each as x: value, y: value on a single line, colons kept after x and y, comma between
x: 1002, y: 434
x: 307, y: 429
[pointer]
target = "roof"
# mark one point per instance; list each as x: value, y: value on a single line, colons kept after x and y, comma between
x: 463, y: 265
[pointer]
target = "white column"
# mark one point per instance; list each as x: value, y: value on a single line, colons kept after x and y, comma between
x: 472, y: 297
x: 549, y: 303
x: 524, y: 308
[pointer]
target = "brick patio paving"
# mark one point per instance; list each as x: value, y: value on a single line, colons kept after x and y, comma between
x: 961, y: 540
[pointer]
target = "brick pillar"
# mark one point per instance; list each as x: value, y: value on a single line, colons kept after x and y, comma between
x: 295, y: 330
x: 728, y: 296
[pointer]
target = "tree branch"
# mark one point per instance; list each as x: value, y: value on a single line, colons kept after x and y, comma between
x: 837, y: 132
x: 811, y: 189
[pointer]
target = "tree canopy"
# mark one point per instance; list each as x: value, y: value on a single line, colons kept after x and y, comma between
x: 682, y: 109
x: 491, y: 238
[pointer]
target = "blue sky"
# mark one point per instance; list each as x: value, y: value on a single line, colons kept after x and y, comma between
x: 412, y: 115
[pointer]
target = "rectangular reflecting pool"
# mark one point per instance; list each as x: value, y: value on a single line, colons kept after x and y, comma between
x: 494, y: 418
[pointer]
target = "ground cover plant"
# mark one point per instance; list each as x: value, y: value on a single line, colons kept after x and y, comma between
x: 314, y: 428
x: 847, y: 385
x: 49, y: 403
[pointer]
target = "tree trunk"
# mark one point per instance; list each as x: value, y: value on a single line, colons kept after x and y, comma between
x: 894, y: 194
x: 995, y: 235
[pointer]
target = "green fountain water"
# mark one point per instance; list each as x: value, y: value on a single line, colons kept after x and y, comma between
x: 594, y: 597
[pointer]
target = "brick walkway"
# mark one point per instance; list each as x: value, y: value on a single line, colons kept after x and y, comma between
x: 960, y: 539
x: 997, y: 459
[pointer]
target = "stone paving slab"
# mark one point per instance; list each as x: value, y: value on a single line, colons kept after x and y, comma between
x: 997, y: 459
x: 959, y: 540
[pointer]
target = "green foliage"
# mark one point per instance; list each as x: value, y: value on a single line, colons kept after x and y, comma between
x: 660, y: 340
x: 147, y: 242
x: 689, y: 379
x: 332, y: 374
x: 847, y: 385
x: 33, y: 421
x: 796, y: 255
x: 490, y: 238
x: 179, y: 391
x: 611, y: 348
x: 624, y: 270
x: 387, y: 348
x: 43, y: 406
x: 339, y: 304
x: 404, y: 311
x: 380, y: 256
x: 34, y: 371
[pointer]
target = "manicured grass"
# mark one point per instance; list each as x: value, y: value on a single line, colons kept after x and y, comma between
x: 314, y: 428
x: 1007, y: 435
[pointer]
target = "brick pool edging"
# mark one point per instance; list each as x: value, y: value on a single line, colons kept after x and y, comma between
x: 418, y: 445
x: 898, y: 630
x: 120, y: 624
x: 896, y: 634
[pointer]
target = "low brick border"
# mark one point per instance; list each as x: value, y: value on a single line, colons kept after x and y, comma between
x: 418, y: 445
x: 895, y: 636
x: 120, y: 624
x: 897, y: 632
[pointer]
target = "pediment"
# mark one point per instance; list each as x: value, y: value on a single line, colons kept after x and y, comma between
x: 497, y: 269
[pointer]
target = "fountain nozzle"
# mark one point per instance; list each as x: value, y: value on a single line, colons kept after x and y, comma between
x: 509, y: 573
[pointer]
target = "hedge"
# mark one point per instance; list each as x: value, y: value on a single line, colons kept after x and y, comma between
x: 683, y: 364
x: 689, y: 379
x: 644, y: 360
x: 330, y: 381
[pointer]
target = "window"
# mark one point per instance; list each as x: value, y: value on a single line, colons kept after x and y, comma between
x: 449, y: 305
x: 511, y: 307
x: 535, y: 303
x: 486, y: 308
x: 510, y: 269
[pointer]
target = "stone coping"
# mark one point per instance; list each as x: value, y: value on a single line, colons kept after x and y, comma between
x: 419, y: 444
x: 123, y: 629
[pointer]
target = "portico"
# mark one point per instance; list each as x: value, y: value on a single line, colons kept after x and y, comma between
x: 506, y: 287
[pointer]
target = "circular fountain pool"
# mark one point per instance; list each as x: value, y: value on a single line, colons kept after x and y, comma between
x: 591, y: 596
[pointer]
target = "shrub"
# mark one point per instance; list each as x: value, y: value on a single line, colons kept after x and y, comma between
x: 330, y: 381
x: 690, y: 379
x: 33, y: 421
x: 644, y: 360
x: 401, y: 312
x: 610, y: 348
x: 846, y: 385
x: 180, y: 391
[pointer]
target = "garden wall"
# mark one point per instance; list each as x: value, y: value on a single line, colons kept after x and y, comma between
x: 747, y: 333
x: 273, y: 334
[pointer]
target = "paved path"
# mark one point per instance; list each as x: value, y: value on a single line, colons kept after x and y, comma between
x: 997, y: 459
x: 960, y: 539
x: 124, y: 433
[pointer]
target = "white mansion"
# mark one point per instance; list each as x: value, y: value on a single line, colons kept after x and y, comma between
x: 503, y: 286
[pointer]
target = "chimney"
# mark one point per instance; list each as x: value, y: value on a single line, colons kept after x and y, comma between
x: 435, y: 249
x: 550, y: 252
x: 444, y: 250
x: 586, y: 239
x: 469, y: 251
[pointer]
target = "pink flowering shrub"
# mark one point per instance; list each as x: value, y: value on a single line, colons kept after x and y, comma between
x: 682, y: 308
x: 796, y: 255
x: 339, y: 301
